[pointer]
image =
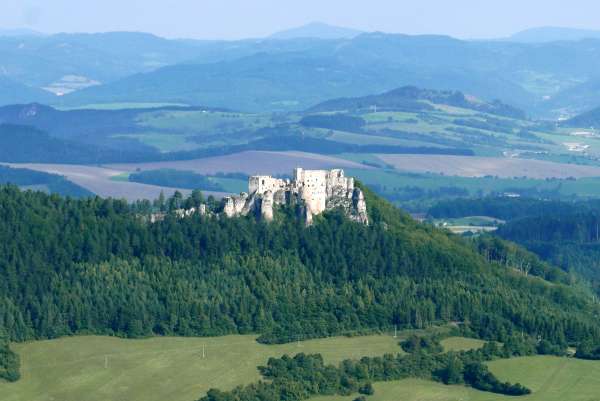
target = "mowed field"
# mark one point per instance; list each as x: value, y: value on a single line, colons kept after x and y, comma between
x: 101, y: 181
x: 550, y: 379
x: 505, y: 167
x: 91, y: 368
x: 250, y: 162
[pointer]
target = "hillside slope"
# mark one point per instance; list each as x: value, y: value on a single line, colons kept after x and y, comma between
x: 316, y: 30
x: 410, y: 98
x: 588, y: 119
x: 102, y: 270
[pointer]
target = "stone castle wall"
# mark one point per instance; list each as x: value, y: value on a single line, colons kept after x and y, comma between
x: 318, y: 190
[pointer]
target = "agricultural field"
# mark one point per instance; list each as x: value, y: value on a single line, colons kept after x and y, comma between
x: 409, y: 190
x: 461, y: 344
x: 550, y: 379
x: 394, y: 152
x: 472, y: 224
x: 102, y: 181
x: 251, y: 162
x: 203, y: 121
x: 120, y: 106
x: 111, y: 180
x: 157, y: 369
x: 467, y: 166
x: 163, y: 142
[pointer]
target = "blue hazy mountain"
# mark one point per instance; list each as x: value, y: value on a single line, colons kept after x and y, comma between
x: 20, y: 32
x: 294, y: 74
x: 554, y: 34
x: 318, y: 30
x: 283, y: 81
x: 15, y: 92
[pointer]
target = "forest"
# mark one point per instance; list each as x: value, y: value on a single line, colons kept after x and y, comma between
x: 92, y: 265
x: 564, y: 234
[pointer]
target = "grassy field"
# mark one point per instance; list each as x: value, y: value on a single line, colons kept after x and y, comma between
x: 161, y: 141
x: 92, y: 368
x: 203, y: 121
x: 250, y: 162
x: 467, y: 166
x: 550, y: 379
x: 461, y: 344
x: 121, y: 106
x: 174, y: 369
x: 583, y: 187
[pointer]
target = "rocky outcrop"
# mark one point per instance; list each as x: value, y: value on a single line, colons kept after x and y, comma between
x: 359, y: 207
x: 315, y: 190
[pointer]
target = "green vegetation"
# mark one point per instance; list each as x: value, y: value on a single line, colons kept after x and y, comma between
x: 29, y: 179
x: 24, y: 144
x: 176, y: 178
x: 9, y: 360
x: 568, y: 238
x: 206, y: 276
x: 549, y: 378
x: 304, y: 376
x: 117, y: 275
x: 90, y: 368
x: 123, y: 177
x: 564, y: 234
x: 421, y: 192
x: 164, y: 142
x: 122, y: 106
x: 461, y: 344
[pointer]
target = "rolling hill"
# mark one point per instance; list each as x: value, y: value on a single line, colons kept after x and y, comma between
x: 13, y: 92
x: 588, y: 119
x: 516, y: 73
x: 553, y: 34
x: 291, y: 81
x: 116, y: 275
x: 317, y: 30
x: 532, y: 76
x: 25, y: 144
x: 413, y: 99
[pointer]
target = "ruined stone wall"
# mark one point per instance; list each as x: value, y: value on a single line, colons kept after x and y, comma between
x: 319, y: 190
x: 263, y: 183
x: 313, y: 190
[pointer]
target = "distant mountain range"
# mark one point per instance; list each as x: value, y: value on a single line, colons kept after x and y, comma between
x: 589, y: 119
x: 20, y: 32
x: 15, y: 92
x: 548, y: 79
x: 317, y: 30
x: 554, y: 34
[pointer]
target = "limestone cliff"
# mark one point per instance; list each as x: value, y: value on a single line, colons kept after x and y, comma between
x: 316, y: 191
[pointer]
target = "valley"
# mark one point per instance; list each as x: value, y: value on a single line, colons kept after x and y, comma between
x: 319, y: 214
x: 394, y: 141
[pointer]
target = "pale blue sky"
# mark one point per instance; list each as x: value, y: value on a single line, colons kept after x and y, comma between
x: 232, y: 19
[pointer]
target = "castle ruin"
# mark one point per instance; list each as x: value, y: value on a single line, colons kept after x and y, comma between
x: 315, y: 190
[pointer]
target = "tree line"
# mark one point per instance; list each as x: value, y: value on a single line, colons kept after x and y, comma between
x: 75, y: 266
x: 305, y: 376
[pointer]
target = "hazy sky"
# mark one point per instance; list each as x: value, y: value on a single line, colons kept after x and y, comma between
x: 231, y: 19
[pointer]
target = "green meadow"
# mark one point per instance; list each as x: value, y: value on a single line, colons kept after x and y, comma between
x: 550, y: 379
x: 91, y: 368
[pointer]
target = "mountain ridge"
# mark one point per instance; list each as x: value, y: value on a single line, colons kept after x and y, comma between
x: 319, y: 30
x: 413, y: 98
x: 553, y: 34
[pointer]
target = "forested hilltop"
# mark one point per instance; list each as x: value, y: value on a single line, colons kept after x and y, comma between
x: 565, y: 234
x: 93, y: 266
